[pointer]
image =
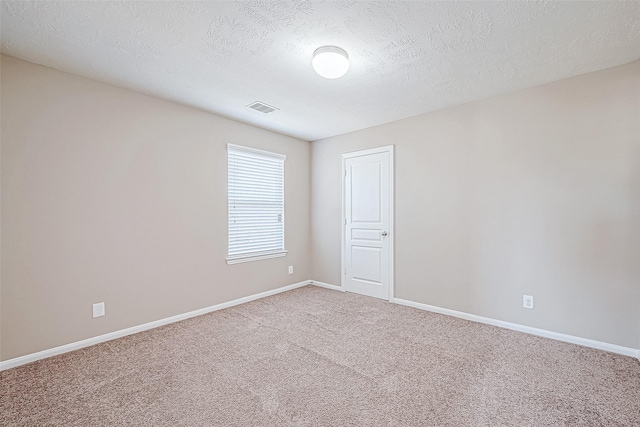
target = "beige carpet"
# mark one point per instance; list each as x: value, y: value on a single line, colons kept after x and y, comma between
x: 314, y: 357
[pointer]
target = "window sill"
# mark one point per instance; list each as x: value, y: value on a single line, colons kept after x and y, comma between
x: 248, y: 258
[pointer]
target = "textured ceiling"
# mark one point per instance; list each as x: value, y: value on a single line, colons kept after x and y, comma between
x: 407, y: 58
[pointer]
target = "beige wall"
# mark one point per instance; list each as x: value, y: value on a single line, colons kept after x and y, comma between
x: 535, y: 192
x: 110, y: 195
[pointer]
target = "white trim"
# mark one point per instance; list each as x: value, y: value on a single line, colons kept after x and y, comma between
x: 613, y: 348
x: 247, y: 257
x: 327, y: 286
x: 392, y: 203
x: 392, y: 207
x: 234, y: 147
x: 22, y: 360
x: 368, y: 152
x: 343, y: 223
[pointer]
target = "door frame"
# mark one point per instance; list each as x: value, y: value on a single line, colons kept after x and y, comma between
x: 384, y: 149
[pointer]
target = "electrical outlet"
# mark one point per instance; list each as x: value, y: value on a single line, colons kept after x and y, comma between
x: 98, y: 309
x: 291, y: 269
x: 527, y: 301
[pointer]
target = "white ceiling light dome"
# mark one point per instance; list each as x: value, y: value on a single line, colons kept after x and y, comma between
x: 330, y: 62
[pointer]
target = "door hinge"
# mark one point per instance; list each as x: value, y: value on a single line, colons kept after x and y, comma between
x: 345, y: 172
x: 345, y: 221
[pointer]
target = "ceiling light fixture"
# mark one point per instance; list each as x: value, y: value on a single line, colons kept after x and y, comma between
x: 330, y: 62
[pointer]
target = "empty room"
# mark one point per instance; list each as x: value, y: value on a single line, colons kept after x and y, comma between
x: 320, y: 213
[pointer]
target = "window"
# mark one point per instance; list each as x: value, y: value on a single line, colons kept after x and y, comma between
x: 256, y: 204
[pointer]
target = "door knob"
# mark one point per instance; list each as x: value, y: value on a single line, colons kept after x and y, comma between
x: 384, y: 233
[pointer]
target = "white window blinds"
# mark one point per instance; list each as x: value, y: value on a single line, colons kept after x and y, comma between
x: 256, y: 204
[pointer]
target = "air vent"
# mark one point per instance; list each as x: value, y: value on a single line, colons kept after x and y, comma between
x: 262, y: 107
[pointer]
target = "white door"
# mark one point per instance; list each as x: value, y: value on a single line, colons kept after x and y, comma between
x: 367, y: 235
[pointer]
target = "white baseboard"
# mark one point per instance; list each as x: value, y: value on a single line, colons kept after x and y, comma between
x: 23, y: 360
x: 327, y: 286
x: 613, y: 348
